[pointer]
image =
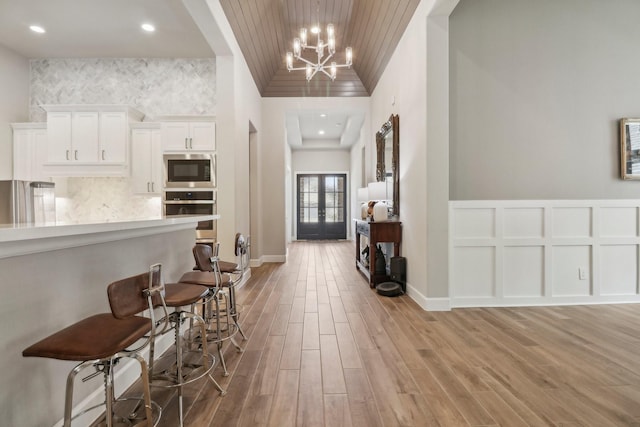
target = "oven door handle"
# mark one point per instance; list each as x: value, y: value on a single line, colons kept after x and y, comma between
x: 189, y: 202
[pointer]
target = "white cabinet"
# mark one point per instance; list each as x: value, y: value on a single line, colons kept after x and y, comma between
x: 88, y: 140
x: 29, y: 151
x: 59, y: 137
x: 189, y: 136
x: 83, y: 144
x: 113, y: 137
x: 146, y: 160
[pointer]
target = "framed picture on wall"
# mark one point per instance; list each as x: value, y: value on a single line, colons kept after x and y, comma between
x: 630, y: 148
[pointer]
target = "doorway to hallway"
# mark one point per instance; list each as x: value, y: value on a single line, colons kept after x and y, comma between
x: 321, y: 206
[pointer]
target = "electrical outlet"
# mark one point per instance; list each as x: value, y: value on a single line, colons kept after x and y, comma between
x: 582, y: 274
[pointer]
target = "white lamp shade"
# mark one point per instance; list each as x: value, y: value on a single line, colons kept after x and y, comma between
x: 377, y: 190
x: 363, y: 194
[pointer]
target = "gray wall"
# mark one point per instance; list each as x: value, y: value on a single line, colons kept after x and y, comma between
x: 537, y: 89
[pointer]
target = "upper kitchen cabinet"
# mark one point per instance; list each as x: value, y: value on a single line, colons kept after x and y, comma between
x: 29, y: 151
x: 88, y: 140
x: 189, y: 135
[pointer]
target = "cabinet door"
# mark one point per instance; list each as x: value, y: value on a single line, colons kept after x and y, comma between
x: 175, y: 136
x: 155, y: 161
x: 146, y: 161
x: 84, y: 134
x: 113, y: 137
x: 141, y: 141
x: 59, y: 141
x: 22, y: 155
x: 202, y: 136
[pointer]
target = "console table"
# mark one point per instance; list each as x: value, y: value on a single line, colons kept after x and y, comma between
x: 377, y: 232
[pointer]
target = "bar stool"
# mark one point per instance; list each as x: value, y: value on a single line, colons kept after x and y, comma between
x: 236, y: 271
x: 100, y: 341
x: 222, y: 326
x: 208, y: 261
x: 180, y: 371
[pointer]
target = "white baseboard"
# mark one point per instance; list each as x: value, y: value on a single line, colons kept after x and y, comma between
x: 274, y: 258
x: 428, y: 304
x: 254, y: 263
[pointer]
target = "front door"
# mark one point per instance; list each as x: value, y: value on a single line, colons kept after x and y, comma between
x: 321, y: 206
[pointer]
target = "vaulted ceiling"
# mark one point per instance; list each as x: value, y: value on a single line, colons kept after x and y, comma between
x: 265, y: 30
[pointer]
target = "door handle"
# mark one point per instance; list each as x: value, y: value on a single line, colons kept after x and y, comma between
x: 186, y: 143
x: 75, y: 154
x: 190, y: 142
x: 102, y: 154
x: 153, y: 187
x: 148, y: 187
x: 67, y: 155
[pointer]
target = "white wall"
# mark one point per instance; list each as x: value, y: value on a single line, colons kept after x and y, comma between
x: 542, y: 252
x: 320, y: 160
x: 273, y: 161
x: 537, y: 89
x: 417, y: 77
x: 239, y: 101
x: 14, y: 87
x: 402, y: 90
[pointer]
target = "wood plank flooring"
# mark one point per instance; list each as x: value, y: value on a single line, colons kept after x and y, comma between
x: 325, y: 350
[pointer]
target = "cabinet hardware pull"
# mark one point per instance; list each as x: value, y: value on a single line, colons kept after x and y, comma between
x: 190, y: 142
x: 186, y: 143
x: 75, y: 154
x: 152, y: 187
x: 102, y: 154
x: 148, y: 187
x: 67, y: 155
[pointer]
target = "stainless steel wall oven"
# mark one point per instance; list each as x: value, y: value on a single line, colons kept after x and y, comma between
x: 194, y: 202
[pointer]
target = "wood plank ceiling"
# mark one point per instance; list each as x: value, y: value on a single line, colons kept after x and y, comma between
x: 265, y: 30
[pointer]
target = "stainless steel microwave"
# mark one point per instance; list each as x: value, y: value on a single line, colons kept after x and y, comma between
x: 190, y: 170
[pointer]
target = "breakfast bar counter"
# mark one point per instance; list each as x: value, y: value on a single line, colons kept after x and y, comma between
x: 54, y: 275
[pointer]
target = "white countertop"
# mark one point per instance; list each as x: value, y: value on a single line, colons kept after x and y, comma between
x: 21, y: 239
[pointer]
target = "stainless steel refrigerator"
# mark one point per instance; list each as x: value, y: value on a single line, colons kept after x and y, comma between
x: 27, y: 202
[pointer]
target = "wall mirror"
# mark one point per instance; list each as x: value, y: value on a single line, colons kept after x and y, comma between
x: 387, y: 158
x: 630, y: 148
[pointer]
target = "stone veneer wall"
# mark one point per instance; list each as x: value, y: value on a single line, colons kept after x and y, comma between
x: 157, y: 87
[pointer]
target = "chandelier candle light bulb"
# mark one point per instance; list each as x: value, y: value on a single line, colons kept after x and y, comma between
x: 322, y: 65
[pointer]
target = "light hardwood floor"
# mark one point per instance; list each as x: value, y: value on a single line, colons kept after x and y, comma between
x: 325, y: 350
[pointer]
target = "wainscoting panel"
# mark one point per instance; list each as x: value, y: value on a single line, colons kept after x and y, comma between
x: 544, y: 252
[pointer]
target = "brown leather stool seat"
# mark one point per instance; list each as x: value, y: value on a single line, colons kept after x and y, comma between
x: 101, y: 340
x: 95, y: 337
x: 205, y: 278
x: 227, y: 267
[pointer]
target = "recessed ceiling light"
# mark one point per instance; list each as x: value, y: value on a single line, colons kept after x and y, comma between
x: 37, y: 29
x: 323, y: 115
x: 148, y: 28
x: 320, y: 132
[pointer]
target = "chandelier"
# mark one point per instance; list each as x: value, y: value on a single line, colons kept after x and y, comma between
x: 322, y: 64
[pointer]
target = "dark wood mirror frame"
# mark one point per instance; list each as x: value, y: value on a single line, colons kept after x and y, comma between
x: 392, y: 125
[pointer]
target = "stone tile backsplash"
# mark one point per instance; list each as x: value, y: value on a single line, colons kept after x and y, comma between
x: 98, y: 198
x: 154, y: 86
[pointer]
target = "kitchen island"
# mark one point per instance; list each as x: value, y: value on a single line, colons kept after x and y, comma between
x: 56, y: 274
